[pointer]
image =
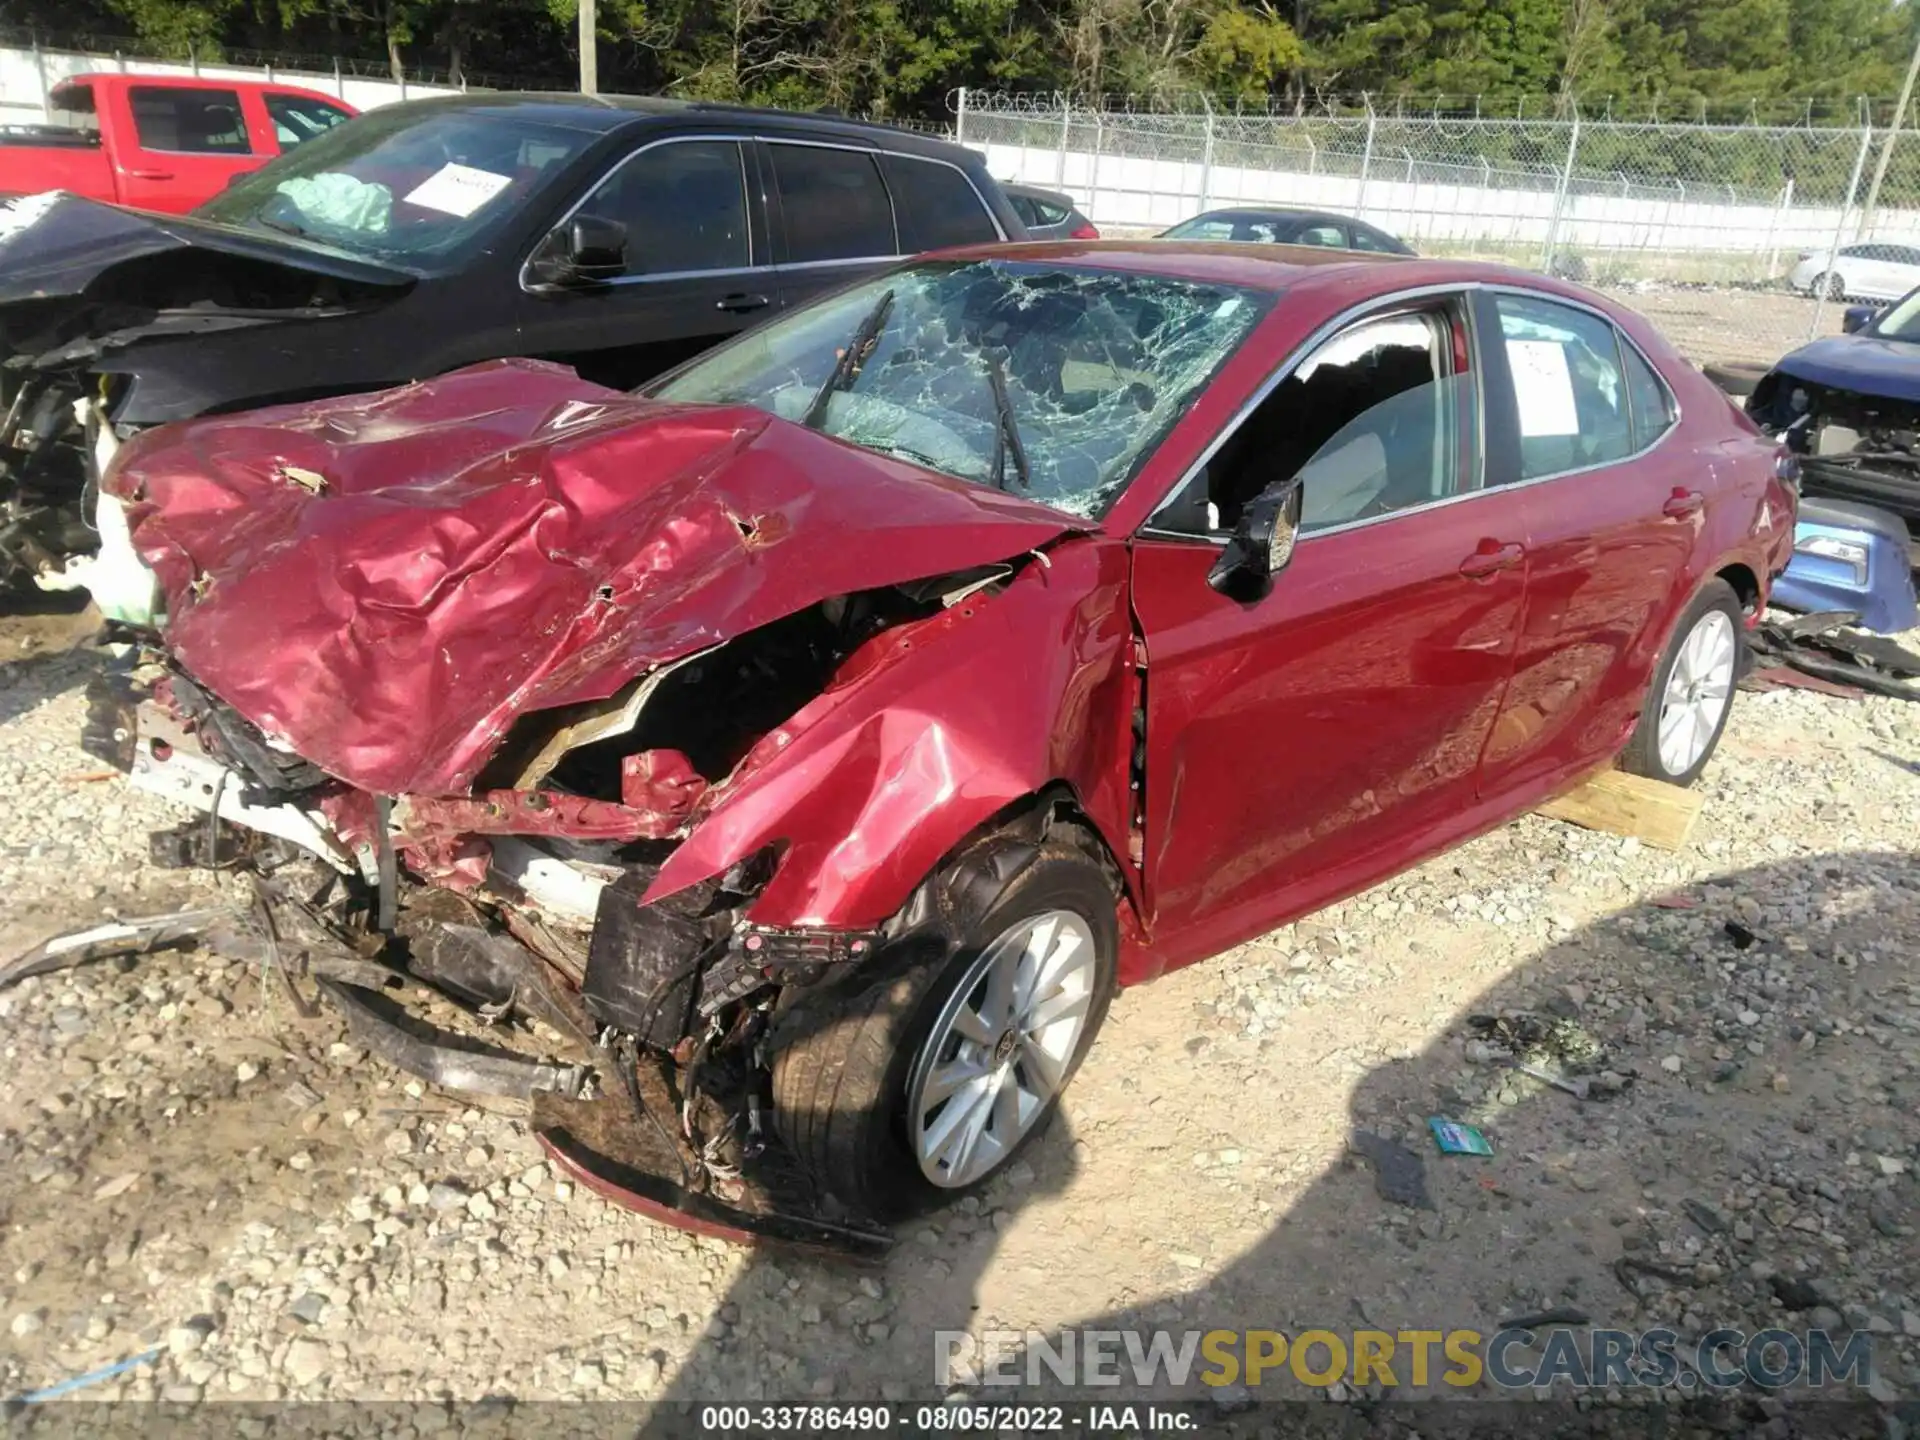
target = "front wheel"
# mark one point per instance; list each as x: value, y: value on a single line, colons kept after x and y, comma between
x: 1692, y: 692
x: 926, y: 1081
x: 1830, y: 284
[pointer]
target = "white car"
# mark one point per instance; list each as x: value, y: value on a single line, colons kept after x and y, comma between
x: 1871, y: 270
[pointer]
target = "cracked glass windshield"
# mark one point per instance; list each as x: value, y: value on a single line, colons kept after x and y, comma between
x: 1047, y: 381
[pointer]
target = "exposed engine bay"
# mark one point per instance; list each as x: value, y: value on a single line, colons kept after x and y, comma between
x: 1853, y: 446
x: 501, y: 944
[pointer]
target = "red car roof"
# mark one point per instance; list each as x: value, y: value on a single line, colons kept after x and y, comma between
x: 1269, y: 268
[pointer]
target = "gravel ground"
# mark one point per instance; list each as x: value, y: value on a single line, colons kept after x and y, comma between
x: 190, y: 1164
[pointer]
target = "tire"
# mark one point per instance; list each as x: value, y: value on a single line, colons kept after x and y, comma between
x: 1715, y: 605
x: 1735, y: 377
x: 1831, y: 284
x: 849, y: 1059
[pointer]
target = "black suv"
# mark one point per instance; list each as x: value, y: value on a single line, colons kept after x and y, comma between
x: 617, y: 235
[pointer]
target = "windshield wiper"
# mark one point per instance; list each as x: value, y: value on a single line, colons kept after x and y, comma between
x: 1006, y: 440
x: 285, y: 227
x: 851, y: 359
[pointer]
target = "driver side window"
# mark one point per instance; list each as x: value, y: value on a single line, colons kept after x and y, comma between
x: 684, y: 204
x: 1378, y: 418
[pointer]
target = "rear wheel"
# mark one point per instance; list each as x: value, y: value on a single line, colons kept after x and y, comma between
x: 927, y: 1080
x: 1692, y: 692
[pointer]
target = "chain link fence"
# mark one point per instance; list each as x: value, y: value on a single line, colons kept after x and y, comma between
x: 1737, y: 238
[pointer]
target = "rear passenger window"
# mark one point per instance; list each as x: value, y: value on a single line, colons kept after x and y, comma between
x: 192, y: 122
x: 1567, y: 385
x: 936, y: 205
x: 1648, y: 395
x: 684, y: 204
x: 1327, y: 235
x: 833, y: 202
x: 296, y: 118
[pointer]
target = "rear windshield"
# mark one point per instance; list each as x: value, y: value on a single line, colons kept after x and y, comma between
x: 418, y: 190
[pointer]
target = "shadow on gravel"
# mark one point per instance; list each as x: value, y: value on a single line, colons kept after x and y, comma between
x: 42, y: 656
x: 1775, y: 1055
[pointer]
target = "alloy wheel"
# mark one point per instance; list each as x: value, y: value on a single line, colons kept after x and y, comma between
x: 1000, y: 1048
x: 1699, y: 687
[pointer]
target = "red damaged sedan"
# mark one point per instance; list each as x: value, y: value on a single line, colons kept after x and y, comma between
x: 788, y: 761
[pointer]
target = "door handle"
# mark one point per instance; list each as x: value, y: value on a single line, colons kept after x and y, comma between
x: 1491, y: 558
x: 739, y: 304
x: 1683, y: 503
x: 150, y: 174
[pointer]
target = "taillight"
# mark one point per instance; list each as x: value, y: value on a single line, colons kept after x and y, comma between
x: 1084, y: 232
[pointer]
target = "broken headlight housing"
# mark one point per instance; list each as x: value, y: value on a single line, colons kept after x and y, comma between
x: 1845, y: 552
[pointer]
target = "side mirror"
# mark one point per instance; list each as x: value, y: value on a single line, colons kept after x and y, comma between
x: 586, y: 250
x: 1857, y: 317
x: 1262, y: 543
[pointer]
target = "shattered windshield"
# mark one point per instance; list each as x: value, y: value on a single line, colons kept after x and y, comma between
x: 412, y: 188
x: 1048, y: 381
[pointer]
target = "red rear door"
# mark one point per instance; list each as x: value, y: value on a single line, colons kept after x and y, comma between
x: 1301, y: 746
x: 1610, y: 513
x: 186, y: 143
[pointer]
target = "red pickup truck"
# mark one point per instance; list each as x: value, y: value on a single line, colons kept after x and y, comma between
x: 159, y: 142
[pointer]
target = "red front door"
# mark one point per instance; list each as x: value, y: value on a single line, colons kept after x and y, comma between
x: 189, y: 141
x: 1302, y: 746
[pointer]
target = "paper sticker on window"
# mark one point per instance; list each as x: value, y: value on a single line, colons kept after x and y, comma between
x: 457, y: 190
x: 1543, y: 387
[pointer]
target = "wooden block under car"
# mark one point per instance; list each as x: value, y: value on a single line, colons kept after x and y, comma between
x: 1658, y: 814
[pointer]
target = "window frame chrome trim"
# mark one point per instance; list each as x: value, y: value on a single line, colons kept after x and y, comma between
x: 1147, y: 530
x: 739, y: 142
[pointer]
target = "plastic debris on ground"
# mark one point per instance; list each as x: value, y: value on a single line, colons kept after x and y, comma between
x: 1456, y: 1138
x: 92, y: 1377
x: 1828, y: 647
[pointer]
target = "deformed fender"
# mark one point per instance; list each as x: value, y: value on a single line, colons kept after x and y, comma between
x: 926, y: 733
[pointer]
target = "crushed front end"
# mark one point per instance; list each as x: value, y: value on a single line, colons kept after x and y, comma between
x: 1854, y: 445
x: 502, y: 943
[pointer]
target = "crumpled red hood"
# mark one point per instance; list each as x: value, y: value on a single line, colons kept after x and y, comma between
x: 386, y: 582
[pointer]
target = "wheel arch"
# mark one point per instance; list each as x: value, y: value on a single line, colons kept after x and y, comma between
x: 1745, y: 583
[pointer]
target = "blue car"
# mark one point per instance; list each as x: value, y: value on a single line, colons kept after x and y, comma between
x: 1850, y: 557
x: 1849, y: 406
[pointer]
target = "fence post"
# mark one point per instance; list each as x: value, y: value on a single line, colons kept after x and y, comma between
x: 1366, y: 164
x: 1840, y: 223
x: 193, y: 59
x: 960, y: 119
x: 1560, y: 194
x: 46, y: 90
x: 1773, y: 225
x: 339, y: 82
x: 1060, y: 157
x: 1093, y: 177
x: 1206, y: 157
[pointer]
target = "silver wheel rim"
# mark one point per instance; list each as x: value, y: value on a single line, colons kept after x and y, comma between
x: 1000, y: 1048
x: 1698, y: 688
